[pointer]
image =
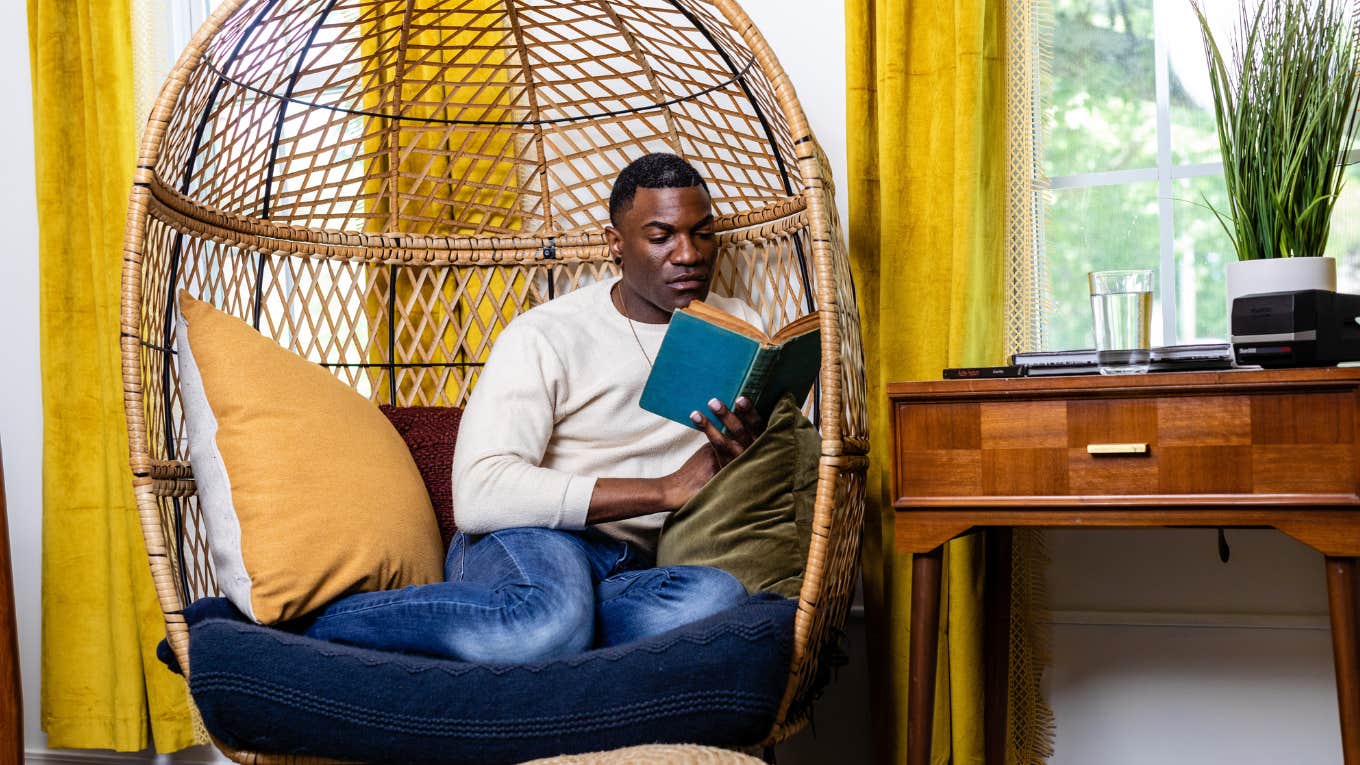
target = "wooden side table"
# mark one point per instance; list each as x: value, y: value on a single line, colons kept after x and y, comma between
x: 1276, y: 449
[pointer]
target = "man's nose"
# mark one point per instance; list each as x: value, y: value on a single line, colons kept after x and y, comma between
x: 685, y: 251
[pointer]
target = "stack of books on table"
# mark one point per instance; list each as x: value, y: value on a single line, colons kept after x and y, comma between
x: 1171, y: 358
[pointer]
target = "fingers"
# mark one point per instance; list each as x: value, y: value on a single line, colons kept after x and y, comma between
x: 737, y: 429
x: 724, y: 447
x: 742, y: 423
x: 746, y: 410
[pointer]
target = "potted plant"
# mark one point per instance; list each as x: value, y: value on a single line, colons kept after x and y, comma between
x: 1285, y: 99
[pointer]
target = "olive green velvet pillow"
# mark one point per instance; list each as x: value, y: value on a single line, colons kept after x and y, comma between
x: 754, y: 519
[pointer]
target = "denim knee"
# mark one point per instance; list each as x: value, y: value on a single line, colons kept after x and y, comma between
x: 521, y: 624
x: 541, y: 602
x: 711, y: 589
x: 639, y: 604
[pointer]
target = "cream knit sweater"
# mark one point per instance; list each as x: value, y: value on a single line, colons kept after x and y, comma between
x: 555, y: 408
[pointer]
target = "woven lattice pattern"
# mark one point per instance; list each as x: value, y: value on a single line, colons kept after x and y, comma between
x: 655, y: 754
x: 381, y: 186
x: 468, y: 117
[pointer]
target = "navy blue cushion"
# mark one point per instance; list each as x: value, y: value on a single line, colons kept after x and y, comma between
x: 717, y: 681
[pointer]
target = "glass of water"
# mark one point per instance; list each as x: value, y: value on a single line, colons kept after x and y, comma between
x: 1121, y: 304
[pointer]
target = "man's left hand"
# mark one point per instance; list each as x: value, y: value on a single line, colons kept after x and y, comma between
x: 743, y: 425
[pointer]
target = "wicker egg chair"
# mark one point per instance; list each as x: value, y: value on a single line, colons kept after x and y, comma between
x: 382, y: 185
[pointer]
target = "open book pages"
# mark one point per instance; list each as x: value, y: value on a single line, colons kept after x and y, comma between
x: 707, y: 353
x: 800, y: 326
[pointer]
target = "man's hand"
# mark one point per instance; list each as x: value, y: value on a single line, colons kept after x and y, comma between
x: 618, y: 498
x: 743, y: 424
x: 684, y: 483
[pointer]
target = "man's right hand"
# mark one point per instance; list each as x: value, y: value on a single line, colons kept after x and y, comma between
x: 683, y: 484
x: 743, y: 426
x: 618, y: 498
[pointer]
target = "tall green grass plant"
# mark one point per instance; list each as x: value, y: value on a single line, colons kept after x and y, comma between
x: 1285, y: 98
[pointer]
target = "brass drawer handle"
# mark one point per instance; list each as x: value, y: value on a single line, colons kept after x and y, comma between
x: 1100, y: 449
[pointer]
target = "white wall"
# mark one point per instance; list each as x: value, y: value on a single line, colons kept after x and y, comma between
x: 20, y: 402
x: 808, y: 38
x: 1163, y: 654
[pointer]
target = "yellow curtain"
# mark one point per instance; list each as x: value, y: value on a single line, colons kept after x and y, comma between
x: 927, y: 146
x: 102, y: 686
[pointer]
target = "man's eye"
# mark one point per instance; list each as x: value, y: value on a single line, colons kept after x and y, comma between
x: 704, y: 234
x: 658, y: 239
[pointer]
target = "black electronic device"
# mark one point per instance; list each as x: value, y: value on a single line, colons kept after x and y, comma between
x: 1304, y: 328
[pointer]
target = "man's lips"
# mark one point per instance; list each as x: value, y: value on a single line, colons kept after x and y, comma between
x: 688, y: 282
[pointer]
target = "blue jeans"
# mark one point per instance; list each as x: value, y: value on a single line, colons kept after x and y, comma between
x: 530, y: 594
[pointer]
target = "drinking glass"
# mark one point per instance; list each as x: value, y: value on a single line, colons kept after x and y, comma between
x: 1121, y: 304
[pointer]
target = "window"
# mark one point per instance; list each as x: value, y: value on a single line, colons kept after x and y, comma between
x: 1132, y: 156
x: 160, y: 30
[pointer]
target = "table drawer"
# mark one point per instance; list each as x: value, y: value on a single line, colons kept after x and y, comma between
x: 1270, y: 443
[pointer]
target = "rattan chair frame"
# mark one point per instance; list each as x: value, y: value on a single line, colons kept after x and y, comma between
x: 238, y: 251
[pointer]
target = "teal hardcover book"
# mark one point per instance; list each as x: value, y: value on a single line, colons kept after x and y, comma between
x: 709, y: 353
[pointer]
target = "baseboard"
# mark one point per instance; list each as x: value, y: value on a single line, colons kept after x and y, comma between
x: 80, y: 757
x: 197, y: 756
x: 57, y: 757
x: 1190, y: 620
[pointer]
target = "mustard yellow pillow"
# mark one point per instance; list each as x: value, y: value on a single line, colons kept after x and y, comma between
x: 307, y: 491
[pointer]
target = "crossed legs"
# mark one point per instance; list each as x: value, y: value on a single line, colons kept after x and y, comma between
x: 530, y: 594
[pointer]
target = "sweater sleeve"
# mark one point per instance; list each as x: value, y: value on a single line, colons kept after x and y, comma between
x: 497, y: 480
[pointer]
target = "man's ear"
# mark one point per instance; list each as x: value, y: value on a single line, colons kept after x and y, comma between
x: 615, y: 241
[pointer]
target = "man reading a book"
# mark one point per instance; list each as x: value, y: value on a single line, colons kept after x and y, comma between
x: 561, y: 481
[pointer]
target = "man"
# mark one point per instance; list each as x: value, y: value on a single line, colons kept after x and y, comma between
x: 561, y: 481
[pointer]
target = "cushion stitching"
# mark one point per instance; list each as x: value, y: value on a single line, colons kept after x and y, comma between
x: 416, y: 664
x: 603, y: 717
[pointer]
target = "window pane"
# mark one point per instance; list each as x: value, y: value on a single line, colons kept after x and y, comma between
x: 1203, y: 251
x: 1094, y: 229
x: 1103, y: 97
x: 1344, y: 241
x: 1194, y: 134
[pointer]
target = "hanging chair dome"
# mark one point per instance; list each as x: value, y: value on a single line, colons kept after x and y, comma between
x: 382, y: 185
x: 482, y: 119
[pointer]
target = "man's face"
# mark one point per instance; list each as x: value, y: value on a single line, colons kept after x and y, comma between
x: 668, y: 250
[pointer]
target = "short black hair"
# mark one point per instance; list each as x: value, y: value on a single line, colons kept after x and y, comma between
x: 653, y: 171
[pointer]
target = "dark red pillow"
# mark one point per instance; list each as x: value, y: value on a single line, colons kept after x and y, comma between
x: 430, y: 432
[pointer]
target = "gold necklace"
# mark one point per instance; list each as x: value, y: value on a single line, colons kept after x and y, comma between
x: 623, y: 309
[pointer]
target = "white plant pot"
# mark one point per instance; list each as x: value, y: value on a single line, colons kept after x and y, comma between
x: 1252, y: 277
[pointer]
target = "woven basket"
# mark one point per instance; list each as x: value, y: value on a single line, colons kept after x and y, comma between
x: 654, y: 754
x: 382, y: 185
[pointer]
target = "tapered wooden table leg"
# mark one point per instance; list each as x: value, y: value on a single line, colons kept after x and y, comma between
x: 11, y: 692
x: 1344, y: 602
x: 996, y: 638
x: 925, y: 625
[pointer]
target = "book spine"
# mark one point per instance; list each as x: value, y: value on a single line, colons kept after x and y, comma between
x: 1053, y: 358
x: 757, y: 375
x: 982, y: 373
